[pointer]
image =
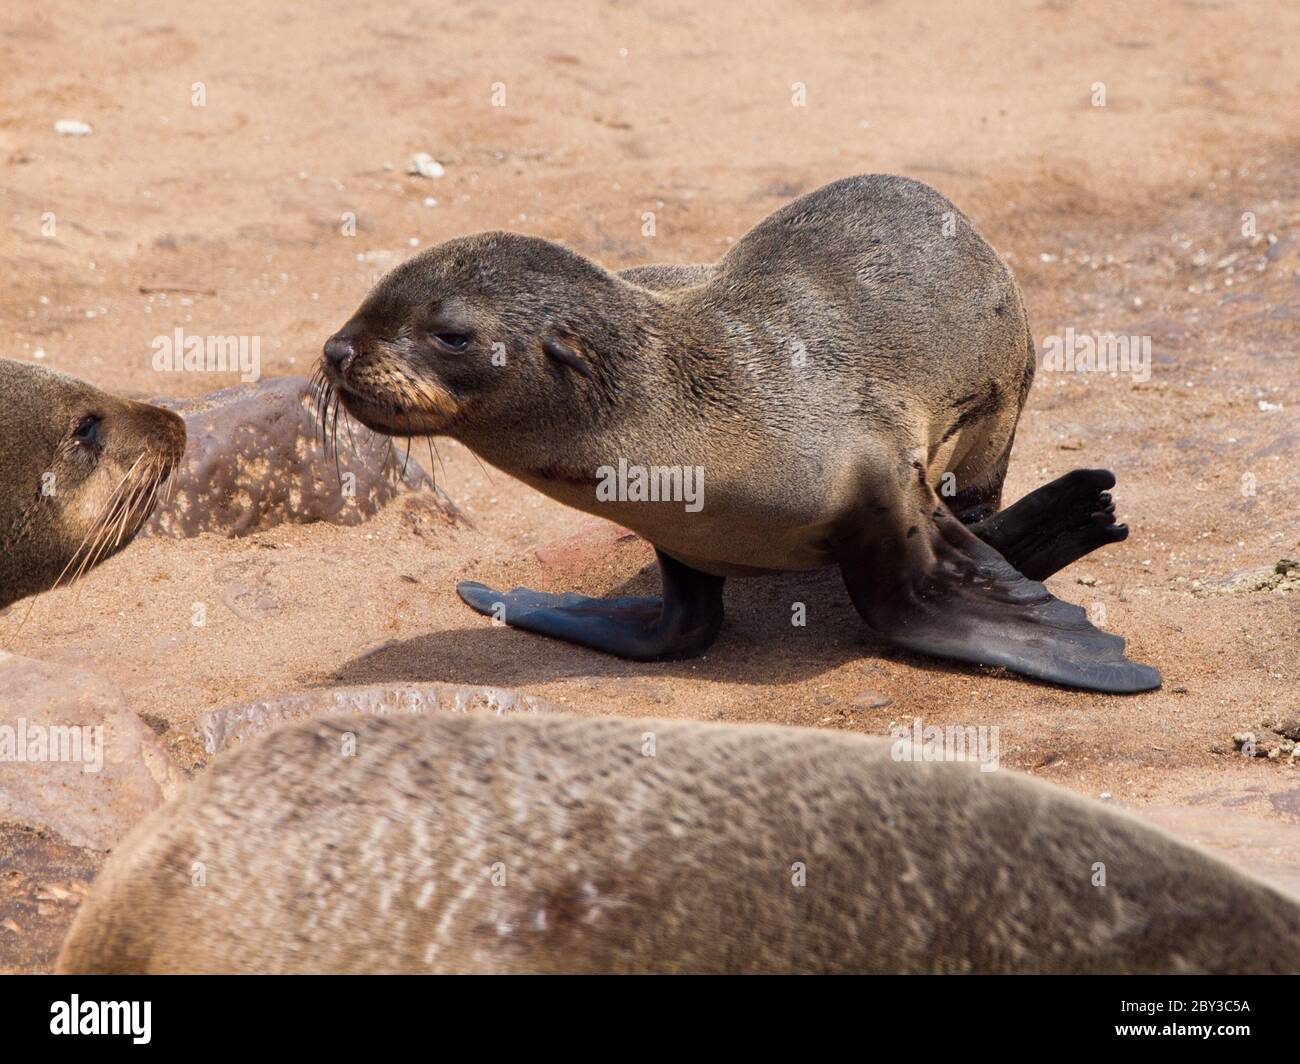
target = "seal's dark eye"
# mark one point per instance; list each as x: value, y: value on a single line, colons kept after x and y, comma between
x: 452, y: 341
x: 86, y: 431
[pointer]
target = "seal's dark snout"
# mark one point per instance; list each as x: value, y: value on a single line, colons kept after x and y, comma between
x: 170, y: 435
x: 340, y: 352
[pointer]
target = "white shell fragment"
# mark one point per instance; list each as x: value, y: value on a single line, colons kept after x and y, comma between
x: 425, y: 165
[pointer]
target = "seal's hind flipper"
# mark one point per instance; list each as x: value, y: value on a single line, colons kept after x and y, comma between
x: 1055, y: 525
x: 935, y: 588
x: 680, y: 625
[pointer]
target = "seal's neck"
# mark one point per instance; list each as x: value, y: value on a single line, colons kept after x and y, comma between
x: 635, y: 399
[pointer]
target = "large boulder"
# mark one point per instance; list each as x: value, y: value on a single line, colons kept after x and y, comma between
x: 256, y: 458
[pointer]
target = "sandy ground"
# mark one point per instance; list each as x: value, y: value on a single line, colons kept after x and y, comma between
x: 1123, y: 217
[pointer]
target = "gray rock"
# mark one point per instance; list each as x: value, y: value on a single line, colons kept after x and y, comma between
x: 1245, y: 742
x: 1265, y: 742
x: 1282, y: 576
x: 1290, y: 728
x: 235, y: 724
x: 255, y: 459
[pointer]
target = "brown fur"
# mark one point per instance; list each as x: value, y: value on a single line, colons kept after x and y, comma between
x: 554, y: 844
x: 841, y: 388
x: 898, y: 326
x: 67, y: 504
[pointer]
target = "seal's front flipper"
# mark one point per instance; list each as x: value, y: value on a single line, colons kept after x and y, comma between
x: 680, y: 625
x: 1055, y: 525
x: 937, y: 589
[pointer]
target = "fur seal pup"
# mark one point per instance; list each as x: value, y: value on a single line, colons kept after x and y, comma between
x: 80, y: 471
x: 857, y: 353
x: 456, y: 843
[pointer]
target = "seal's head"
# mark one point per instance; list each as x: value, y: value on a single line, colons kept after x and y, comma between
x: 482, y: 334
x: 80, y: 471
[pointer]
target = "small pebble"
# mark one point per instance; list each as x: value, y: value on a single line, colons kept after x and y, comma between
x: 424, y: 164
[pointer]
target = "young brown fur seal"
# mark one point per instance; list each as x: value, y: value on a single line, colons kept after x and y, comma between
x: 461, y: 843
x: 827, y: 375
x: 80, y: 471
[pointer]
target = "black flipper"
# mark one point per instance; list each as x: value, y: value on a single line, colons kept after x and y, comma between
x: 933, y: 587
x: 680, y: 625
x: 1055, y: 525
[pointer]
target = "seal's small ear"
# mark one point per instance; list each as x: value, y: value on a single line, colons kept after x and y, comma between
x: 566, y: 355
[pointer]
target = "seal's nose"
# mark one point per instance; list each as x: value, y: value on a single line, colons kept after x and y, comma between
x: 340, y: 352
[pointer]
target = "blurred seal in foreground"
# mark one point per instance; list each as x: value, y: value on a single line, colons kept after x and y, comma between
x: 470, y: 843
